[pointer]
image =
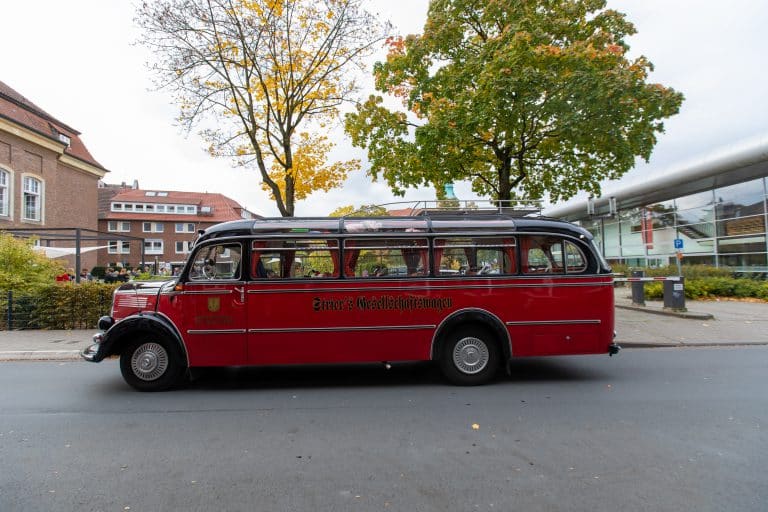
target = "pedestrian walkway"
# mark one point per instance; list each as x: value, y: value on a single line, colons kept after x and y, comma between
x: 706, y: 323
x: 709, y: 323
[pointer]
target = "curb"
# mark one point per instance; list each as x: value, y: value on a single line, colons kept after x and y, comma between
x: 668, y: 312
x: 694, y: 344
x: 40, y: 355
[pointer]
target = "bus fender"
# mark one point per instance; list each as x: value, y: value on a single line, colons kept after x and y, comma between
x: 472, y: 316
x: 120, y: 334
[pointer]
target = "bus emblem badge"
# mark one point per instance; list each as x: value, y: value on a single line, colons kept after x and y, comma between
x: 214, y: 304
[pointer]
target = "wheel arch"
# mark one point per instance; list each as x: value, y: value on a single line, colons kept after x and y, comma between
x: 125, y: 330
x: 472, y: 316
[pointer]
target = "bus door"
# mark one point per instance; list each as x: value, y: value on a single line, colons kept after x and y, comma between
x: 214, y: 308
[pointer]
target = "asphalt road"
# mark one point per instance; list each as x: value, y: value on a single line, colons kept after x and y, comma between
x: 649, y: 430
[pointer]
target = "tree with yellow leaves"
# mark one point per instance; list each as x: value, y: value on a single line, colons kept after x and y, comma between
x: 265, y: 80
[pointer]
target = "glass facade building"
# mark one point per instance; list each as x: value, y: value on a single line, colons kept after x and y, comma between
x: 724, y: 227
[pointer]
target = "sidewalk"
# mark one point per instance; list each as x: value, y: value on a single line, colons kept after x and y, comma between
x: 708, y: 323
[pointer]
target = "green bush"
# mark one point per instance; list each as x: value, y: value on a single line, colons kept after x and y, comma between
x: 59, y: 306
x: 710, y: 287
x: 22, y: 268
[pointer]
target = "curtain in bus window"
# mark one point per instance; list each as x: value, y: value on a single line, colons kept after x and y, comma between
x: 525, y: 247
x: 438, y: 252
x: 510, y: 266
x: 257, y: 266
x: 350, y: 258
x: 471, y: 254
x: 412, y: 258
x: 333, y: 249
x: 286, y: 263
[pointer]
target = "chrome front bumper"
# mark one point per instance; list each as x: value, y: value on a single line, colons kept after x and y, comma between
x: 90, y: 354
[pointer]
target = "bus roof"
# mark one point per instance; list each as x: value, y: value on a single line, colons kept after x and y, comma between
x: 434, y: 224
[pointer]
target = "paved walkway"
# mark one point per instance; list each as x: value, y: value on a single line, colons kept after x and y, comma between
x: 731, y: 323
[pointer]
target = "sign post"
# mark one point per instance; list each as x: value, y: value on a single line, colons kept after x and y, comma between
x: 679, y: 251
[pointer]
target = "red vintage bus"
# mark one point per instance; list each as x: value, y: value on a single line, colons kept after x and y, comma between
x: 468, y: 291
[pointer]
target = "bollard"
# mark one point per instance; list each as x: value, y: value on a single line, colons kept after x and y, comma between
x: 638, y: 289
x: 674, y: 294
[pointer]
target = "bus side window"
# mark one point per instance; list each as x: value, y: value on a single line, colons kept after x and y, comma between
x: 216, y: 262
x: 575, y: 260
x: 295, y: 259
x: 475, y: 256
x: 541, y: 255
x: 386, y: 257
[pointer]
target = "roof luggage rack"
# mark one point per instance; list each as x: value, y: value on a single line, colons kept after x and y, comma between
x: 454, y: 207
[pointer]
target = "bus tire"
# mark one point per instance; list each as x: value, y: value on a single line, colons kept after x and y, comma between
x: 151, y: 363
x: 470, y: 356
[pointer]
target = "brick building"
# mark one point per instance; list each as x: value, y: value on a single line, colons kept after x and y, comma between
x: 168, y: 222
x: 48, y: 178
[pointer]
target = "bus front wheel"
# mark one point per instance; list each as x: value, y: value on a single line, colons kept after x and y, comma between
x: 470, y: 356
x: 151, y: 364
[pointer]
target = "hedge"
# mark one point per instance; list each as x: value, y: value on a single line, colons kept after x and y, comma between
x: 708, y: 288
x: 57, y: 306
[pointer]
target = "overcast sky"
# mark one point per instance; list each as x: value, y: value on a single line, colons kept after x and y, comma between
x: 77, y: 61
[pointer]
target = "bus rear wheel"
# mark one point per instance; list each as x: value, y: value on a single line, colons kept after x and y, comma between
x: 151, y: 364
x: 470, y: 356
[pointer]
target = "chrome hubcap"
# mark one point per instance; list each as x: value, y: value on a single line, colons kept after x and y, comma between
x: 149, y: 361
x: 470, y: 355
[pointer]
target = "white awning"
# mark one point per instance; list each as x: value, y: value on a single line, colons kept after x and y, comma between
x: 60, y: 252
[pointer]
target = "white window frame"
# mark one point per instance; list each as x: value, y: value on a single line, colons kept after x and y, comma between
x: 118, y: 247
x: 186, y: 227
x: 185, y: 247
x: 39, y: 194
x: 118, y: 226
x: 6, y: 192
x: 154, y: 227
x: 153, y: 246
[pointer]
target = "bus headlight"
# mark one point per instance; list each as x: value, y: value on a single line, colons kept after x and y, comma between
x: 105, y: 323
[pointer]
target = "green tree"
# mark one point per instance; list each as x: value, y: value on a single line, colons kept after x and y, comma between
x: 524, y: 99
x: 266, y: 79
x: 21, y: 268
x: 366, y: 210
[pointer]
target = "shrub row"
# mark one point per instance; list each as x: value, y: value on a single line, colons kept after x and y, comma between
x: 57, y: 306
x: 705, y: 288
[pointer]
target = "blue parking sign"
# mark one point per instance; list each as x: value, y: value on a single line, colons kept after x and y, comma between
x: 678, y: 243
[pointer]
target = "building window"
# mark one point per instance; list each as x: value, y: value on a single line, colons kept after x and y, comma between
x: 5, y: 192
x: 117, y: 207
x: 118, y: 247
x: 153, y: 227
x: 185, y: 227
x: 32, y: 198
x: 160, y: 208
x: 153, y: 246
x: 182, y: 247
x: 120, y: 226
